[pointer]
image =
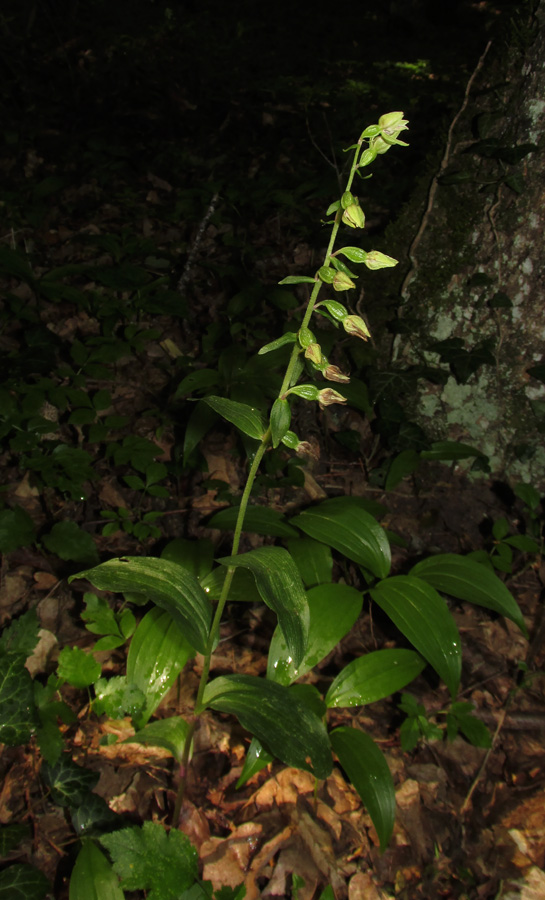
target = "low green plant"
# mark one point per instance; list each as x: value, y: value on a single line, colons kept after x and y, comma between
x: 286, y: 718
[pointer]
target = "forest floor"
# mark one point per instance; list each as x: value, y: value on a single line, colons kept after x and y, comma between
x: 105, y: 311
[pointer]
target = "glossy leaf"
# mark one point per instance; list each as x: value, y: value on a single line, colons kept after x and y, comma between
x: 373, y: 677
x: 246, y: 418
x: 198, y: 424
x: 93, y: 877
x: 168, y: 733
x: 278, y: 719
x: 243, y: 587
x: 168, y: 585
x: 258, y: 520
x: 23, y: 882
x: 354, y: 254
x: 424, y: 618
x: 313, y: 560
x: 279, y: 583
x: 467, y: 579
x: 289, y: 338
x: 196, y: 557
x: 280, y: 420
x: 297, y: 279
x: 368, y: 771
x: 257, y: 758
x: 450, y: 450
x: 333, y: 609
x: 405, y: 463
x: 157, y: 654
x: 344, y: 524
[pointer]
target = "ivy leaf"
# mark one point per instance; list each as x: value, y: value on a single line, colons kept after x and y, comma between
x: 18, y: 716
x: 23, y: 882
x: 11, y: 836
x: 149, y: 859
x: 69, y: 783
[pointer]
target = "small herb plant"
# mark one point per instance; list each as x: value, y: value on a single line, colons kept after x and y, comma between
x: 286, y: 718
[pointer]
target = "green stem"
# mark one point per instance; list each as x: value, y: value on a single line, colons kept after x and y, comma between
x: 256, y: 462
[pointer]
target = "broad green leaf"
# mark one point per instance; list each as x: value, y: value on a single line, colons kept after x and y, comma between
x: 257, y: 758
x: 93, y: 816
x: 243, y: 587
x: 523, y: 543
x: 373, y: 677
x: 16, y: 529
x: 368, y: 771
x: 278, y: 719
x: 289, y: 338
x: 199, y: 423
x: 450, y: 450
x: 169, y: 733
x: 467, y: 579
x: 528, y: 494
x: 23, y: 882
x: 12, y: 835
x: 93, y: 878
x: 313, y: 560
x: 68, y: 782
x: 166, y: 584
x: 151, y: 860
x: 157, y: 654
x: 280, y: 420
x: 279, y: 583
x: 18, y: 716
x: 325, y: 631
x: 424, y: 618
x: 195, y: 556
x: 405, y: 463
x: 258, y: 520
x: 297, y: 279
x: 200, y: 380
x: 344, y: 524
x: 246, y: 418
x: 78, y: 668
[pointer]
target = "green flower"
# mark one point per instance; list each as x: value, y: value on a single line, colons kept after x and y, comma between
x: 354, y: 216
x: 342, y: 282
x: 327, y: 396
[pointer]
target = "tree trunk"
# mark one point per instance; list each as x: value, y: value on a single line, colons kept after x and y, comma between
x: 476, y: 288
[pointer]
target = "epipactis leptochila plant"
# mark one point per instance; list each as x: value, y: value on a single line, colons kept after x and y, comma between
x: 286, y: 719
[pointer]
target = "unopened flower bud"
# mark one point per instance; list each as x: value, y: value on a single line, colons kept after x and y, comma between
x: 368, y: 156
x: 342, y: 282
x: 354, y: 216
x: 328, y: 396
x: 333, y: 373
x: 356, y: 326
x: 347, y: 200
x: 305, y: 449
x: 379, y: 145
x: 377, y: 260
x: 314, y: 354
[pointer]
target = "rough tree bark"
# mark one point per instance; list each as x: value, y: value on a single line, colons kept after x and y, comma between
x: 477, y: 265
